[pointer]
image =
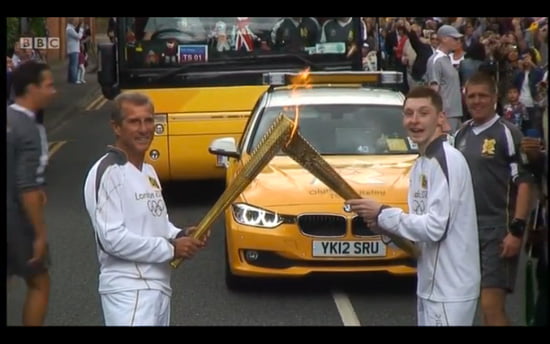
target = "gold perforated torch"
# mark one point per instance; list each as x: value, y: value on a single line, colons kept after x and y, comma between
x: 271, y: 143
x: 304, y: 154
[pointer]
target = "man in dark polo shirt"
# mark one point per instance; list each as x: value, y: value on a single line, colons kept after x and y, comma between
x: 296, y: 33
x: 502, y: 189
x: 27, y: 157
x: 340, y: 29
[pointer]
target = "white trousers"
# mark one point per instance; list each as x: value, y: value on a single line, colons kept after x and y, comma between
x: 431, y: 313
x: 81, y: 73
x: 136, y: 308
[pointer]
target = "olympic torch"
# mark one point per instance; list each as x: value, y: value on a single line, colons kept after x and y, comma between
x: 272, y: 142
x: 304, y: 154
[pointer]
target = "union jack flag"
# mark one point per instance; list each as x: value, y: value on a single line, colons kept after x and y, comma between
x: 242, y: 35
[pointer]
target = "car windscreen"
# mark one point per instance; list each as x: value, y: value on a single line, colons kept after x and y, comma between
x: 344, y: 129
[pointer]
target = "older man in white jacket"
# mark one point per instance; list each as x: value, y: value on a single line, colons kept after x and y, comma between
x: 135, y: 239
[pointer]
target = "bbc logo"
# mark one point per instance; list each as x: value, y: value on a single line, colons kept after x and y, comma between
x: 39, y: 42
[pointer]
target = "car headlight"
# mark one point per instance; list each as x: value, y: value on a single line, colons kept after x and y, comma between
x: 253, y: 216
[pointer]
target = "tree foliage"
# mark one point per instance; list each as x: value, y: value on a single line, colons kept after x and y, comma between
x: 12, y: 31
x: 36, y: 27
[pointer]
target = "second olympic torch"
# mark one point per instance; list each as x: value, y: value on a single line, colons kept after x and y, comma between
x: 303, y: 153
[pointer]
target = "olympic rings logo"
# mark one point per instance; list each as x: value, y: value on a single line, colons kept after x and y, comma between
x: 156, y: 207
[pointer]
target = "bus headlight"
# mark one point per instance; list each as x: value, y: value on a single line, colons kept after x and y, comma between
x: 160, y: 123
x: 159, y: 128
x: 154, y: 154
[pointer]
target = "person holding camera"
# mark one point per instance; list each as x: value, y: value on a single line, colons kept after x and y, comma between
x: 527, y: 80
x: 74, y: 33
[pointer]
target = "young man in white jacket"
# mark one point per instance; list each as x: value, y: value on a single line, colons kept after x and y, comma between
x: 135, y: 239
x: 441, y: 218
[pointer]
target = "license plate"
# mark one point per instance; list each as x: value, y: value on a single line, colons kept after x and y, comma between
x: 193, y: 53
x: 330, y: 248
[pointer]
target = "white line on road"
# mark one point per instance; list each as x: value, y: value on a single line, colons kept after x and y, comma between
x: 100, y: 105
x: 345, y: 308
x: 94, y: 102
x: 54, y: 147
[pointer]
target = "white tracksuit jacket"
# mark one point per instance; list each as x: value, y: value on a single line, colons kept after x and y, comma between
x: 442, y: 222
x: 131, y: 225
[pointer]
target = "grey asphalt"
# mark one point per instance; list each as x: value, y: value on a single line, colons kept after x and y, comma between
x: 200, y: 297
x: 71, y: 97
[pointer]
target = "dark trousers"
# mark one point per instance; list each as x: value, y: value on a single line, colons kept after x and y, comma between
x: 73, y: 67
x: 535, y: 119
x: 541, y: 307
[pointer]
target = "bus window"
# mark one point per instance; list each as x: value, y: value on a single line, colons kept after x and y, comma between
x: 151, y: 42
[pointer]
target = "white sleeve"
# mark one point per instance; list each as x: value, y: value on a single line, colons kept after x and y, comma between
x: 435, y: 76
x: 71, y: 32
x: 173, y: 229
x: 430, y: 226
x: 115, y: 238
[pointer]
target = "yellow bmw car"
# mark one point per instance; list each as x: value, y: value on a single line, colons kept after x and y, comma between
x: 287, y: 223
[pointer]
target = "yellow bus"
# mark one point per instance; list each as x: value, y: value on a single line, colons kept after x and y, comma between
x: 204, y: 75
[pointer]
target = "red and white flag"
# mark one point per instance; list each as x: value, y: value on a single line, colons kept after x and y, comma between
x: 242, y: 35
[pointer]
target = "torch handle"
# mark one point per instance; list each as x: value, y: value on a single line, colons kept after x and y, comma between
x: 201, y: 229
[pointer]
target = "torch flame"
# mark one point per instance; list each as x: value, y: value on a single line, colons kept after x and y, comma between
x: 302, y: 80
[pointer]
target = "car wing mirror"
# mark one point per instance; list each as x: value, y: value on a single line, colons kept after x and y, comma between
x: 224, y: 146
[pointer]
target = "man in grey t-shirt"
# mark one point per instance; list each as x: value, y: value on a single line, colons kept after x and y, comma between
x: 27, y: 156
x: 502, y: 190
x: 444, y: 78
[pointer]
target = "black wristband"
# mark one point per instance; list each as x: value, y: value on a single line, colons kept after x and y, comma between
x: 181, y: 234
x: 517, y: 227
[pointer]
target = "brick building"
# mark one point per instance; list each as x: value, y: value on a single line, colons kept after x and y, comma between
x: 56, y: 28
